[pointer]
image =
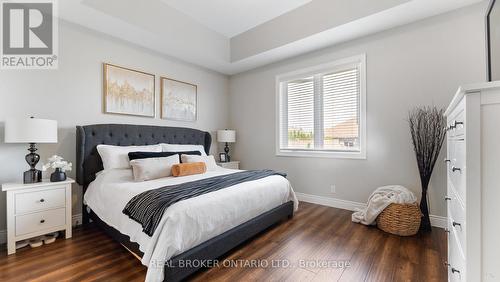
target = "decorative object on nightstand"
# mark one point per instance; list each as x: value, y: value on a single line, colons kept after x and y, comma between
x: 60, y: 167
x: 230, y: 165
x: 31, y: 130
x: 223, y: 157
x: 37, y: 209
x: 226, y: 136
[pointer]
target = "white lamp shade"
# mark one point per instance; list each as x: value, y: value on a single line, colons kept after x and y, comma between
x: 30, y: 130
x: 226, y: 135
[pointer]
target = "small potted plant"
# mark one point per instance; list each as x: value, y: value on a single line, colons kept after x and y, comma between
x: 59, y: 166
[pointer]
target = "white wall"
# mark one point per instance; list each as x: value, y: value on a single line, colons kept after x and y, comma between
x: 73, y: 94
x: 419, y: 64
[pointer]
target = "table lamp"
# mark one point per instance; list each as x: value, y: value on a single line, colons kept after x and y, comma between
x: 226, y: 136
x: 31, y: 130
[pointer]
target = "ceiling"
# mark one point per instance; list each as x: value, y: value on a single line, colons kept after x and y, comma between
x: 231, y: 18
x: 232, y: 36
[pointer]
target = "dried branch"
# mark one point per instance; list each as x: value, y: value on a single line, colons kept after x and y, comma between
x: 427, y: 128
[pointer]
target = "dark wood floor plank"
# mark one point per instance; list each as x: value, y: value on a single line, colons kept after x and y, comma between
x: 315, y: 235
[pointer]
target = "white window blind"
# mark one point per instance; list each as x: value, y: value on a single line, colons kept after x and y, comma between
x: 341, y: 110
x: 322, y: 111
x: 300, y: 111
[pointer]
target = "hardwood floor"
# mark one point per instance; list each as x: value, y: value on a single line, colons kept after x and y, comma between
x: 316, y: 234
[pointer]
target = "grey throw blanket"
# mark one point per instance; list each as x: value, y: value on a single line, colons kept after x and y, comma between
x: 148, y: 207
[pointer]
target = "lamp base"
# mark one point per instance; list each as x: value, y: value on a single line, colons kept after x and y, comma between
x: 32, y: 176
x: 226, y: 149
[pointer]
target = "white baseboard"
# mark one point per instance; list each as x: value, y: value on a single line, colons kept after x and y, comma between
x: 76, y: 220
x: 330, y: 202
x: 436, y: 221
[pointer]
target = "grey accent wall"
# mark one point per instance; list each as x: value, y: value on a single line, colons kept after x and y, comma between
x: 418, y: 64
x: 72, y: 95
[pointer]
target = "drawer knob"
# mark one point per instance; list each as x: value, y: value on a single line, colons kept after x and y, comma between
x: 447, y: 198
x: 456, y: 224
x: 446, y: 230
x: 455, y: 169
x: 454, y: 270
x: 42, y: 221
x: 446, y: 264
x: 42, y: 200
x: 455, y: 123
x: 447, y: 161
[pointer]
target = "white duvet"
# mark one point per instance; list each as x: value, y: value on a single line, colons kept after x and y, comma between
x: 188, y: 223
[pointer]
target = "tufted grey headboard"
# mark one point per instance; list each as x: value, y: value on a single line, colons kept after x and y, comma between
x: 88, y: 161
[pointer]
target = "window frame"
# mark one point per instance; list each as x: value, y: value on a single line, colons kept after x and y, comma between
x: 360, y: 62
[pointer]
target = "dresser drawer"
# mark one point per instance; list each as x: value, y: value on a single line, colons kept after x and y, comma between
x: 457, y: 125
x: 39, y: 221
x: 457, y: 223
x: 456, y: 122
x: 40, y: 200
x: 457, y: 168
x: 456, y: 260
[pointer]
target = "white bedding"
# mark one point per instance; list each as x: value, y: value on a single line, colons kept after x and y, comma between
x: 188, y: 223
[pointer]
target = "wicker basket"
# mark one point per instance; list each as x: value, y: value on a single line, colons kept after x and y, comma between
x: 400, y: 219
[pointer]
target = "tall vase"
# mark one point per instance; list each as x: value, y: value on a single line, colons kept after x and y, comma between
x: 425, y: 224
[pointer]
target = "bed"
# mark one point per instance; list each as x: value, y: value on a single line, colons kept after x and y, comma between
x: 209, y: 225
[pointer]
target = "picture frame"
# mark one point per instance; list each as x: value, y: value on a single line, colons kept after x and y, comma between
x: 128, y: 91
x: 178, y: 100
x: 223, y: 157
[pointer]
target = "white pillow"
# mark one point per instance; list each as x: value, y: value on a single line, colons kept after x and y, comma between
x: 117, y: 156
x: 208, y: 160
x: 183, y: 148
x: 153, y: 168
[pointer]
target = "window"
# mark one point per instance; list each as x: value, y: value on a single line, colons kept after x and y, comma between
x: 321, y: 110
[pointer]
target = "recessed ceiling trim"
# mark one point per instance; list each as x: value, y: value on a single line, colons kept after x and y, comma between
x: 180, y: 36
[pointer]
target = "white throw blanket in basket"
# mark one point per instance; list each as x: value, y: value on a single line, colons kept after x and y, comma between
x: 380, y: 199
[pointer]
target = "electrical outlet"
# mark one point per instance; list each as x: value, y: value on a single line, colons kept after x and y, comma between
x: 333, y: 188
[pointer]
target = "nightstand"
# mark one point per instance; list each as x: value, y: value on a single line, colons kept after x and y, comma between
x: 231, y: 164
x: 37, y: 209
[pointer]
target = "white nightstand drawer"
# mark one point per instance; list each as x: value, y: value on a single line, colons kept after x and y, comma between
x: 39, y: 221
x: 40, y: 200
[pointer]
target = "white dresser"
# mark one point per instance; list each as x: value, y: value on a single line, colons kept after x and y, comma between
x: 37, y: 209
x: 473, y: 196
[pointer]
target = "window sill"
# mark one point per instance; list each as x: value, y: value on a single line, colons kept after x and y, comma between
x: 322, y: 154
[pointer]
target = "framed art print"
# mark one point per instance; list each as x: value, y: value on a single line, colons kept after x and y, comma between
x: 128, y: 91
x: 178, y: 100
